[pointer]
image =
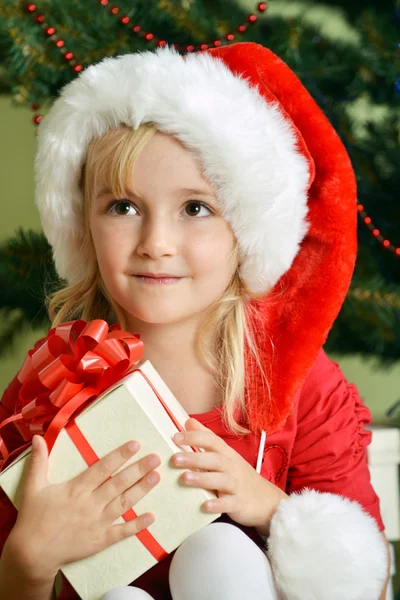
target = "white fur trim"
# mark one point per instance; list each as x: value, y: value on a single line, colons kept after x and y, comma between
x: 246, y: 147
x: 325, y: 547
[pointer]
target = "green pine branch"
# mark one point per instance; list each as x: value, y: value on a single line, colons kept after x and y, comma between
x: 27, y: 276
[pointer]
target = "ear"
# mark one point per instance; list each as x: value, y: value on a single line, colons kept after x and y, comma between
x: 195, y: 425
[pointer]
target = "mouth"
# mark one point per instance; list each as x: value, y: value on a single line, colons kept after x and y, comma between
x: 157, y: 280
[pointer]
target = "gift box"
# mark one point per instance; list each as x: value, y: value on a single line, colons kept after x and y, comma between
x: 139, y: 406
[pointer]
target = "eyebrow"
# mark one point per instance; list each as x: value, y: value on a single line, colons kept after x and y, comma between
x: 180, y: 192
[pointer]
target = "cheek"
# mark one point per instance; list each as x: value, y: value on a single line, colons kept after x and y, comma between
x: 110, y: 248
x: 211, y: 253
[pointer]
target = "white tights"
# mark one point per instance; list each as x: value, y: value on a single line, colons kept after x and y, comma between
x: 218, y: 561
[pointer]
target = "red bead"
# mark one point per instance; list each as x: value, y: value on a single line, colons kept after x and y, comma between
x: 376, y: 232
x: 78, y: 68
x: 103, y: 2
x: 115, y: 10
x: 203, y: 46
x: 124, y: 20
x: 397, y: 251
x: 367, y: 220
x: 31, y: 7
x: 37, y: 118
x: 217, y: 43
x: 50, y: 30
x: 161, y: 43
x: 69, y: 55
x: 262, y: 6
x: 34, y: 106
x: 230, y: 37
x: 39, y: 19
x: 386, y: 243
x: 242, y: 28
x: 252, y: 18
x: 190, y: 48
x: 149, y: 36
x: 136, y: 29
x: 60, y: 43
x: 360, y: 207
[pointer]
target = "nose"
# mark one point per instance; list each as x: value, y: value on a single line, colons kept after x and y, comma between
x: 158, y: 237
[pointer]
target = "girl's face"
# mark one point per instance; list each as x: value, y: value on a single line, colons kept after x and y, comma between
x: 163, y: 226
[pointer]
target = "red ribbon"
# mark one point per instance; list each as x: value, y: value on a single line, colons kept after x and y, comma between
x: 75, y: 364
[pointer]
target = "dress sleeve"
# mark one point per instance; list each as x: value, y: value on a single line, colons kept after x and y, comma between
x: 13, y: 439
x: 8, y: 512
x: 330, y: 449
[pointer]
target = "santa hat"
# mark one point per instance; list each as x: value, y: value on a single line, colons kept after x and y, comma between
x: 287, y: 188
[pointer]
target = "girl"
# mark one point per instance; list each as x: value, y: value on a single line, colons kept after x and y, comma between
x: 233, y: 302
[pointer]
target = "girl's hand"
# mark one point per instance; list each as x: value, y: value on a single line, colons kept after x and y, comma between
x: 62, y: 523
x: 243, y: 494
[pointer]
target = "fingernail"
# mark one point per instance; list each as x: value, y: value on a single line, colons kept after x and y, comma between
x: 178, y: 437
x: 152, y: 477
x: 148, y: 520
x: 180, y: 458
x: 154, y: 461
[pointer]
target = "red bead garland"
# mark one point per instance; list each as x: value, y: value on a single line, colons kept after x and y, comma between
x: 385, y: 243
x: 50, y: 32
x: 150, y: 37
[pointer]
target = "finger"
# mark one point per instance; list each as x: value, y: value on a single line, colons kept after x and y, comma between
x: 220, y: 482
x: 193, y: 424
x: 207, y: 461
x: 125, y: 479
x: 130, y: 497
x: 202, y: 439
x: 36, y: 475
x: 119, y: 532
x: 95, y: 475
x: 227, y: 504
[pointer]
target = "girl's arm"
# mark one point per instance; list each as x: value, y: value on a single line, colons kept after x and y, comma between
x: 16, y: 583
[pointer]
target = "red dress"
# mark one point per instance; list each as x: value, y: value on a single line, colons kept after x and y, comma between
x: 321, y: 446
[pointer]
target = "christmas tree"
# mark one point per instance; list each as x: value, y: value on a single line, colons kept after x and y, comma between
x: 45, y: 45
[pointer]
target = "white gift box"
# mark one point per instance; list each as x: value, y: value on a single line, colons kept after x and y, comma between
x: 129, y: 410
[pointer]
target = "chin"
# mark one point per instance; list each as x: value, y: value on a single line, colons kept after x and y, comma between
x: 157, y: 315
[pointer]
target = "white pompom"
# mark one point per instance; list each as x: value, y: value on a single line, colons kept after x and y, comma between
x: 325, y: 547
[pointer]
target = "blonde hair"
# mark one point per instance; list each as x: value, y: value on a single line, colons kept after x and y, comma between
x: 228, y: 320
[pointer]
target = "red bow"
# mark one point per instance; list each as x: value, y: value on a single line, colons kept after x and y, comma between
x: 74, y: 365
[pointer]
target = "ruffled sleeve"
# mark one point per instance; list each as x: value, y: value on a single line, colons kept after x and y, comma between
x: 330, y: 449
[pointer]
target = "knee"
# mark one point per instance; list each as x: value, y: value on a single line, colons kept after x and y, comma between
x: 217, y: 538
x: 214, y: 547
x: 220, y: 561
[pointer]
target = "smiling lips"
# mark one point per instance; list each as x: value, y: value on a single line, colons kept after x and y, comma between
x: 159, y: 278
x: 157, y: 275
